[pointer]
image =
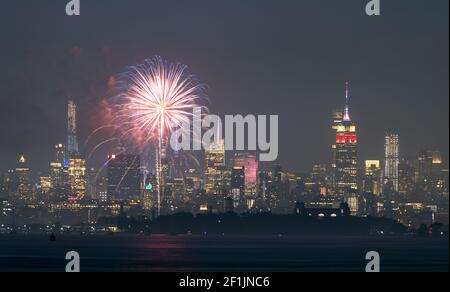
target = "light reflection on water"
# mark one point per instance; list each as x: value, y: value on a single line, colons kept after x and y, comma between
x: 221, y: 253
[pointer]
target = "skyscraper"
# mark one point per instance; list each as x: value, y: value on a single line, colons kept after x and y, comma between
x: 23, y: 185
x: 57, y: 167
x: 72, y: 140
x: 250, y: 164
x: 391, y: 160
x: 163, y: 170
x: 75, y: 162
x: 77, y: 177
x: 372, y: 177
x: 237, y: 185
x: 215, y: 170
x: 429, y: 165
x: 278, y: 189
x: 149, y: 200
x: 345, y: 152
x: 124, y: 177
x: 406, y: 175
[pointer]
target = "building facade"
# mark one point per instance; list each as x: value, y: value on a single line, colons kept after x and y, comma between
x: 345, y: 152
x: 391, y: 161
x: 124, y: 177
x: 215, y: 180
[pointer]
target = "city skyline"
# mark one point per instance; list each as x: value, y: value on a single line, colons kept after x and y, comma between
x: 303, y: 86
x: 229, y: 157
x: 225, y: 143
x: 343, y: 116
x: 237, y: 177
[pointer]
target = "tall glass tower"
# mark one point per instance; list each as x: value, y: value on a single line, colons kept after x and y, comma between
x: 76, y: 164
x: 391, y: 160
x: 72, y: 141
x: 215, y: 171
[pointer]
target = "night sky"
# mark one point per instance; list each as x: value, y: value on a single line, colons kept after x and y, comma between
x: 289, y: 57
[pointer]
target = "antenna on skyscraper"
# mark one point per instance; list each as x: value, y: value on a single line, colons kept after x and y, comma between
x: 347, y: 102
x: 72, y: 140
x: 347, y: 92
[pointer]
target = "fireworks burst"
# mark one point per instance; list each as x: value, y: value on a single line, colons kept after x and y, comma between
x: 155, y: 98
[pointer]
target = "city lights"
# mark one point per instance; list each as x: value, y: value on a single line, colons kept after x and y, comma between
x: 231, y: 143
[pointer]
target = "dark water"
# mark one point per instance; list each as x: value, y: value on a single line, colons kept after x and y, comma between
x: 221, y: 254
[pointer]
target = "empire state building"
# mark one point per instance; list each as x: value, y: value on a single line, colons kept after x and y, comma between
x: 345, y: 151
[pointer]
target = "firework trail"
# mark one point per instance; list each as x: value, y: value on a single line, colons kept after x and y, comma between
x: 100, y: 145
x: 106, y: 164
x: 155, y: 98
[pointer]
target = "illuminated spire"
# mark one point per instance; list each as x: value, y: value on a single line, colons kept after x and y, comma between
x: 72, y: 141
x: 22, y: 159
x: 347, y: 102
